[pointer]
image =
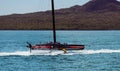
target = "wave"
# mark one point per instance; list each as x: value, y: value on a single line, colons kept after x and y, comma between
x: 73, y: 52
x: 18, y: 53
x: 98, y: 51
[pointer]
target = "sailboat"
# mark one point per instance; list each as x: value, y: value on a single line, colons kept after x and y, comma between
x: 54, y: 45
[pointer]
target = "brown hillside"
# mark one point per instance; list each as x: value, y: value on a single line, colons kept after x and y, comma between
x: 94, y: 15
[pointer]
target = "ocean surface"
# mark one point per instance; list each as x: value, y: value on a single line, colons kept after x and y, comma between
x: 101, y: 53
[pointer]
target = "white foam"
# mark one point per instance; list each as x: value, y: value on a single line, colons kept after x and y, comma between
x: 20, y: 53
x: 58, y: 52
x: 46, y: 52
x: 95, y: 51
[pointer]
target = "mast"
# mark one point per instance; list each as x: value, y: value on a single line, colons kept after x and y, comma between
x: 53, y: 21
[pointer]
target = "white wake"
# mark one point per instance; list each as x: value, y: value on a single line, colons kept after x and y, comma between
x: 58, y: 52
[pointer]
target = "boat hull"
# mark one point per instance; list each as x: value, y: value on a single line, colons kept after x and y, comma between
x: 67, y: 47
x: 46, y: 48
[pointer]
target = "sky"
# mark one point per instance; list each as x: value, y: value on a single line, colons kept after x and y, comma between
x: 29, y: 6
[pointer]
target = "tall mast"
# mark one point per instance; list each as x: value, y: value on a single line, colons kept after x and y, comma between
x: 53, y: 21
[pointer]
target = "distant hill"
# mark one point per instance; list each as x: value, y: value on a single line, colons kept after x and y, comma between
x: 94, y: 15
x: 102, y: 6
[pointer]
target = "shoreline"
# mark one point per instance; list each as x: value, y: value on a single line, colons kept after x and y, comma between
x: 59, y: 30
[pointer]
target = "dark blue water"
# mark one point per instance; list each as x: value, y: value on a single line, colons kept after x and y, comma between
x: 102, y: 52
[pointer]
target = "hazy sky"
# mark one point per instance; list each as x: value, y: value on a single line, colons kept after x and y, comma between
x: 28, y: 6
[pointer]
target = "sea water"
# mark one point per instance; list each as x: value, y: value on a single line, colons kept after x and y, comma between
x: 101, y: 53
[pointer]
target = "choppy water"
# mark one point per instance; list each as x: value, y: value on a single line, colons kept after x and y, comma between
x: 102, y: 52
